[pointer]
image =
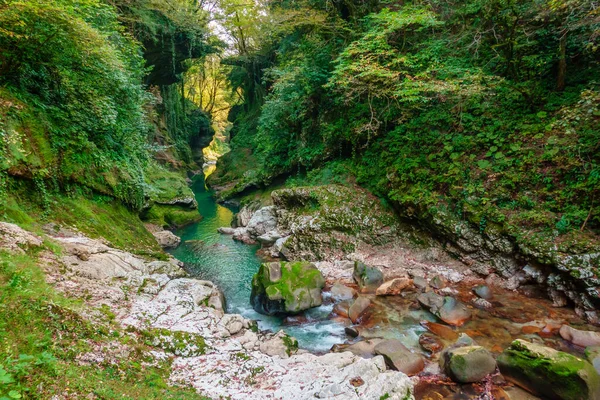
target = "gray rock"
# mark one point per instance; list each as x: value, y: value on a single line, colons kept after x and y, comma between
x: 420, y: 283
x: 340, y: 292
x: 453, y: 312
x: 482, y: 304
x: 269, y: 239
x: 579, y: 337
x: 364, y: 348
x: 367, y: 278
x: 167, y: 239
x: 243, y: 217
x: 467, y: 364
x: 15, y: 239
x: 431, y: 301
x: 262, y: 221
x: 398, y: 357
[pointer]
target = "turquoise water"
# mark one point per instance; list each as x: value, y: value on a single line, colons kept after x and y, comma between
x: 231, y: 265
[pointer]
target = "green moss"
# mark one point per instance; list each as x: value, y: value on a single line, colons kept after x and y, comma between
x: 164, y: 185
x: 549, y: 372
x: 294, y: 275
x: 180, y: 343
x: 171, y: 216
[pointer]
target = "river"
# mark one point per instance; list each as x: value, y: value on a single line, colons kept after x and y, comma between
x: 231, y: 265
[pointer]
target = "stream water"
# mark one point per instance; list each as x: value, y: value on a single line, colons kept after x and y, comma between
x: 231, y: 265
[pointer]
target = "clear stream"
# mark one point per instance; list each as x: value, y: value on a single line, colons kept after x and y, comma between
x: 231, y: 265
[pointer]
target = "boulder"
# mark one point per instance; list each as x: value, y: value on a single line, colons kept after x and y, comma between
x: 482, y: 304
x: 367, y: 278
x: 167, y: 239
x: 466, y: 364
x: 393, y: 287
x: 352, y: 331
x: 453, y: 312
x: 340, y: 292
x: 286, y: 288
x: 225, y: 230
x: 363, y: 348
x: 484, y: 292
x: 549, y: 373
x: 262, y: 221
x: 448, y: 309
x: 243, y: 217
x: 580, y: 338
x: 400, y: 358
x: 358, y: 308
x: 279, y: 344
x: 268, y: 239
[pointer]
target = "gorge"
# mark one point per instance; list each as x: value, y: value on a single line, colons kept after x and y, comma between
x: 225, y: 199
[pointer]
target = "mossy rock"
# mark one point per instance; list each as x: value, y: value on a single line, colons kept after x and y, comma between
x: 171, y: 216
x: 549, y: 373
x: 281, y: 288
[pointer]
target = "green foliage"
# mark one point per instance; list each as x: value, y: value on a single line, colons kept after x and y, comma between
x: 464, y: 107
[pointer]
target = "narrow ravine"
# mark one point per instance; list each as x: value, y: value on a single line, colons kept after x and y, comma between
x: 231, y: 265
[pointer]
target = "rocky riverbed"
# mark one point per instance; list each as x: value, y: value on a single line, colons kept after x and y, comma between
x: 402, y: 295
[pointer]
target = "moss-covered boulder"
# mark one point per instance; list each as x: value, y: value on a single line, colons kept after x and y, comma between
x: 549, y: 373
x: 286, y: 288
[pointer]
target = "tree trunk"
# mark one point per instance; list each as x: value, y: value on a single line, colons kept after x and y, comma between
x: 562, y: 63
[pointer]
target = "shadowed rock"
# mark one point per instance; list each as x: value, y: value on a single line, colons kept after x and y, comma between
x: 398, y: 357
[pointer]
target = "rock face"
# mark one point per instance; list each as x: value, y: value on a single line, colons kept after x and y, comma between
x: 468, y: 363
x: 548, y: 372
x: 398, y: 357
x: 330, y: 221
x: 368, y: 278
x: 286, y: 288
x: 167, y: 239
